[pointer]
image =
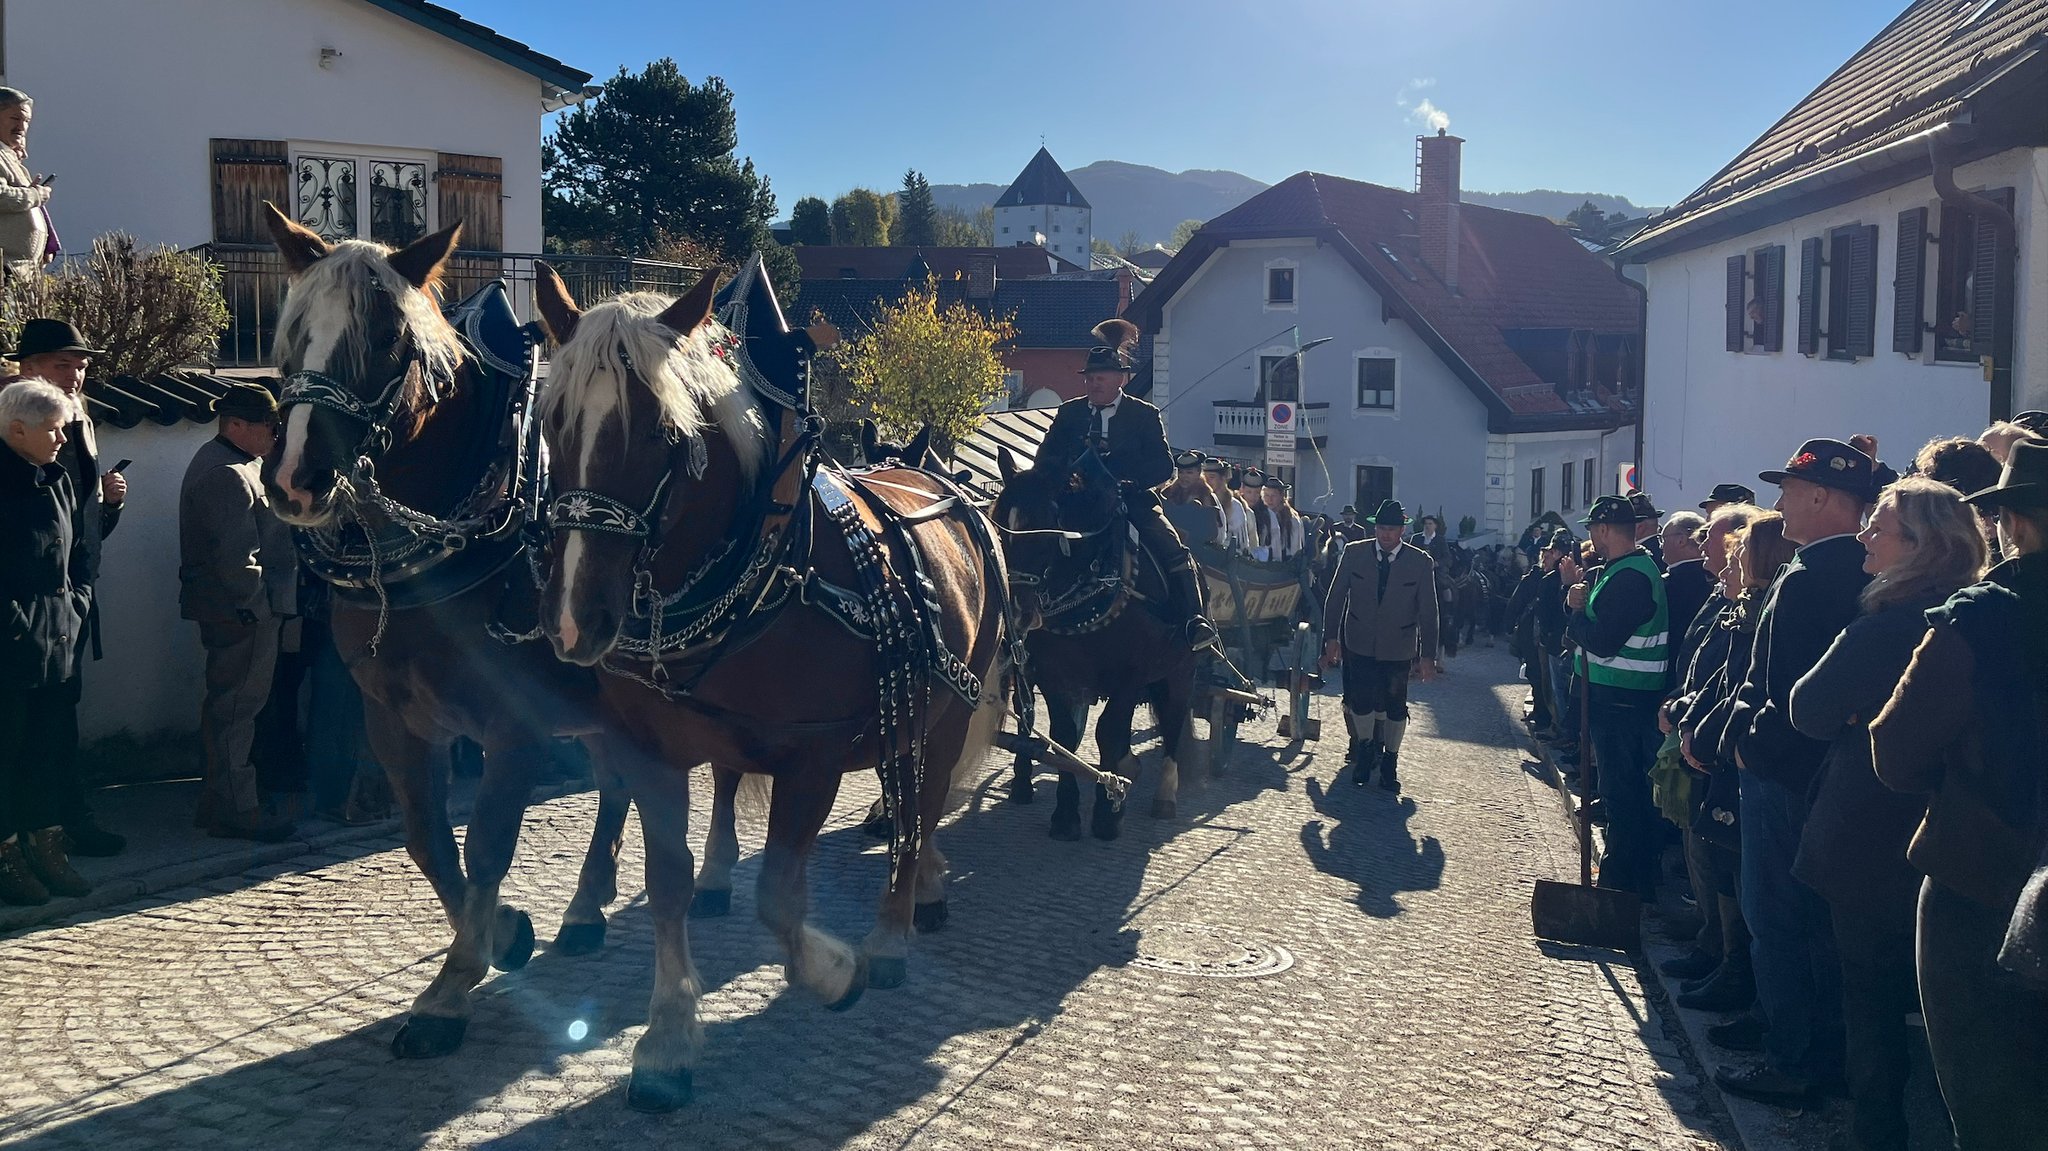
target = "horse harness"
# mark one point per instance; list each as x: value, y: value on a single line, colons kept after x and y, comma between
x: 1100, y: 594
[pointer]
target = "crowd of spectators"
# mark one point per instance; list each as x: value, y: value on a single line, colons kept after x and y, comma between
x: 1830, y: 716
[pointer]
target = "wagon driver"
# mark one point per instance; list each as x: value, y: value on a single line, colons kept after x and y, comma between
x: 1379, y: 621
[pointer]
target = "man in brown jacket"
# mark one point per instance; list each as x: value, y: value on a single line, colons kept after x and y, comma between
x: 236, y: 571
x: 1380, y: 618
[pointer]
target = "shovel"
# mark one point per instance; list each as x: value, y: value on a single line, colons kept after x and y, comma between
x: 1580, y: 913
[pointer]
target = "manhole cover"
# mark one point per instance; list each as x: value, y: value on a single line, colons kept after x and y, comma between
x: 1198, y: 949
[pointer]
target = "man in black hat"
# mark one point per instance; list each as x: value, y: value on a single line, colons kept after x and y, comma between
x: 1621, y: 623
x: 1725, y: 494
x: 237, y: 568
x: 1379, y: 621
x: 1127, y: 431
x: 1347, y: 528
x: 1649, y: 535
x: 54, y: 352
x: 1824, y: 491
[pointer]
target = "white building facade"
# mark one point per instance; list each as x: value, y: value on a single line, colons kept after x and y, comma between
x: 1042, y: 206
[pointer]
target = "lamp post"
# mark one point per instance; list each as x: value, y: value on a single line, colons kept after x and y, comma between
x: 1283, y: 413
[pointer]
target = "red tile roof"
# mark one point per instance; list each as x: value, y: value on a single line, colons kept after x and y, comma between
x: 1516, y: 271
x: 1913, y: 75
x: 832, y: 262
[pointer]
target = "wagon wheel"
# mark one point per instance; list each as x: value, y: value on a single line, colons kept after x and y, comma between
x: 1224, y: 715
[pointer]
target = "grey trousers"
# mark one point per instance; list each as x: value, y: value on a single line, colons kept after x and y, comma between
x: 240, y: 661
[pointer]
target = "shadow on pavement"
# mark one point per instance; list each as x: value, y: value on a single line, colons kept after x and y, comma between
x: 1370, y: 845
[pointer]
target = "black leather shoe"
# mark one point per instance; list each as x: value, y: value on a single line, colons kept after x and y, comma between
x: 89, y: 839
x: 1764, y: 1084
x: 1723, y: 992
x: 1201, y: 633
x: 1362, y: 763
x: 1694, y: 964
x: 1742, y: 1033
x: 1389, y: 778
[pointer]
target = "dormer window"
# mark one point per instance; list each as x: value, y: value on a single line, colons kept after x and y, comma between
x: 1280, y: 284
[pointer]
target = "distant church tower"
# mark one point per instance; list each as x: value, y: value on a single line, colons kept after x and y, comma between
x: 1044, y: 202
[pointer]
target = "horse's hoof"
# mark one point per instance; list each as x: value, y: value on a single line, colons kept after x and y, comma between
x: 1066, y: 830
x: 579, y: 939
x: 428, y: 1037
x: 1165, y: 809
x: 515, y: 930
x: 1107, y: 829
x: 659, y: 1091
x: 863, y: 978
x: 884, y: 972
x: 1020, y: 791
x: 711, y: 903
x: 929, y: 917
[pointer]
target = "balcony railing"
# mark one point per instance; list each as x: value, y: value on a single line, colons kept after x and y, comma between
x: 253, y: 279
x: 1244, y: 422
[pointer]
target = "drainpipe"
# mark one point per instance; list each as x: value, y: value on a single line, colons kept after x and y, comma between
x: 2006, y: 233
x: 1642, y: 292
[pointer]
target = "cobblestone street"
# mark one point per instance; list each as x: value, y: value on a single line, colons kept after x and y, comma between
x: 1382, y: 987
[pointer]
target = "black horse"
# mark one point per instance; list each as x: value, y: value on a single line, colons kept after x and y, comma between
x: 1104, y: 635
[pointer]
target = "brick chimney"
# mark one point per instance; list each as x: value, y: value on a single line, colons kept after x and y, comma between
x: 1436, y: 190
x: 981, y: 277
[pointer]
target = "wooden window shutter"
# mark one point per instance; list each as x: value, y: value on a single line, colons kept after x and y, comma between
x: 1738, y: 301
x: 1909, y: 281
x: 1991, y: 272
x: 1860, y: 339
x: 246, y: 173
x: 470, y: 190
x: 1809, y: 296
x: 1771, y: 289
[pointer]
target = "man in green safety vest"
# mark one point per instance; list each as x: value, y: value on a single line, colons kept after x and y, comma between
x: 1622, y: 627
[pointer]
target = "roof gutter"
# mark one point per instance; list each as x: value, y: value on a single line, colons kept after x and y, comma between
x: 1901, y: 151
x: 553, y: 99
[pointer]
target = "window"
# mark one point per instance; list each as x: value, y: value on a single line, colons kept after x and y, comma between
x: 1565, y: 487
x: 1375, y: 486
x: 1973, y: 272
x: 1006, y: 229
x: 334, y: 199
x: 1376, y: 375
x: 1055, y: 227
x: 1537, y: 506
x: 1280, y: 285
x: 1587, y: 479
x: 1852, y: 292
x: 1756, y: 300
x: 1279, y: 378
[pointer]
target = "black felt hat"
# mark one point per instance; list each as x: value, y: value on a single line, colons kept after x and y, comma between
x: 1611, y: 510
x: 251, y: 402
x: 1728, y: 494
x: 1214, y: 466
x: 1390, y: 515
x: 1560, y: 540
x: 1644, y: 508
x: 1831, y: 464
x: 1349, y: 510
x: 1188, y: 459
x: 1114, y: 353
x: 2024, y: 483
x: 41, y: 336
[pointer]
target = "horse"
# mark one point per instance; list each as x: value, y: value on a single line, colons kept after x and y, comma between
x: 756, y: 607
x: 406, y: 464
x: 1101, y: 634
x: 1463, y: 595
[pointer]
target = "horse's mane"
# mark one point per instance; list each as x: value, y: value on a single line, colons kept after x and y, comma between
x: 693, y: 387
x: 332, y: 291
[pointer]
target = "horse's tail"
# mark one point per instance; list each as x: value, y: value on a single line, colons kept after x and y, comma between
x: 751, y: 801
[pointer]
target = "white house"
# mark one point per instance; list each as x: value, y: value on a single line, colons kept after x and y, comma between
x: 1043, y: 207
x: 1876, y: 262
x: 1480, y: 362
x: 374, y: 118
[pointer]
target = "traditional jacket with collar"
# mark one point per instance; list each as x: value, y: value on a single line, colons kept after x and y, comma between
x: 40, y: 562
x: 1136, y: 441
x: 24, y: 223
x: 1399, y: 625
x: 234, y: 554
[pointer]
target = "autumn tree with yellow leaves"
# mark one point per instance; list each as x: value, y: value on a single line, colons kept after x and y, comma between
x: 923, y: 365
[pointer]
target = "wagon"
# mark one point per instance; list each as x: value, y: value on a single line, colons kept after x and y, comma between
x: 1268, y: 617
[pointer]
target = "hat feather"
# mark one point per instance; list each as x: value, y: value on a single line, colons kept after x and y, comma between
x: 1116, y: 333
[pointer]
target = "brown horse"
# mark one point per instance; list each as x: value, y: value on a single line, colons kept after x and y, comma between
x: 400, y: 464
x: 1101, y: 635
x: 761, y: 611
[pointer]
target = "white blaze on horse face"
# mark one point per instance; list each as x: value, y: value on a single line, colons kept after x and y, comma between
x: 572, y: 563
x: 297, y: 419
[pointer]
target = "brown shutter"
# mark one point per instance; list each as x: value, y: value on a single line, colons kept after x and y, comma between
x: 1738, y: 302
x: 1909, y: 280
x: 1990, y: 276
x: 1860, y: 339
x: 1809, y: 296
x: 1771, y: 273
x: 246, y: 173
x: 470, y: 190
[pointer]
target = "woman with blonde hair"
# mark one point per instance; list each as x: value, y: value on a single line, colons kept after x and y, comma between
x: 1922, y: 543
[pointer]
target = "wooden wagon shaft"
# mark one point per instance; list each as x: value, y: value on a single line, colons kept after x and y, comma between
x: 1233, y: 695
x: 1039, y: 747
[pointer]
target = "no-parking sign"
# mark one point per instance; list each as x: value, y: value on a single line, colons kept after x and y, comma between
x: 1282, y: 418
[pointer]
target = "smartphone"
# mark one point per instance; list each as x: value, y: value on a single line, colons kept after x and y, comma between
x: 120, y: 467
x: 49, y: 179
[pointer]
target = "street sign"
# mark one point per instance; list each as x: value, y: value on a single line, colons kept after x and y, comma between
x: 1282, y: 420
x: 1625, y: 478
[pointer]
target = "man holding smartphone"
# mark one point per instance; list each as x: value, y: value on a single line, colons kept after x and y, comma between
x: 25, y: 235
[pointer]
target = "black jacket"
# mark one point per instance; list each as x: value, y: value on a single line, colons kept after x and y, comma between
x: 42, y: 576
x: 1813, y: 599
x: 1138, y: 455
x: 1853, y: 850
x: 1686, y: 586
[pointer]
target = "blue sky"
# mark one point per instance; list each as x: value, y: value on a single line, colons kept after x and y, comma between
x: 1643, y: 99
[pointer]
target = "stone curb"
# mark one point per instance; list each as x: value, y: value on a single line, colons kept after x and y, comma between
x: 127, y: 888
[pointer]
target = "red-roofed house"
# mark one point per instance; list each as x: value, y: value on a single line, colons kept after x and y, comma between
x: 1482, y: 363
x: 1876, y: 262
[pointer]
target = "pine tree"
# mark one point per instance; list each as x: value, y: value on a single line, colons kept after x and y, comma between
x: 917, y: 217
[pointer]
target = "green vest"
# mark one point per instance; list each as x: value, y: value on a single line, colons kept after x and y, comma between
x: 1644, y: 662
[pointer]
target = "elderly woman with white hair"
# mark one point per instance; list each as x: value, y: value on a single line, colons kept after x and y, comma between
x: 25, y: 236
x: 41, y: 568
